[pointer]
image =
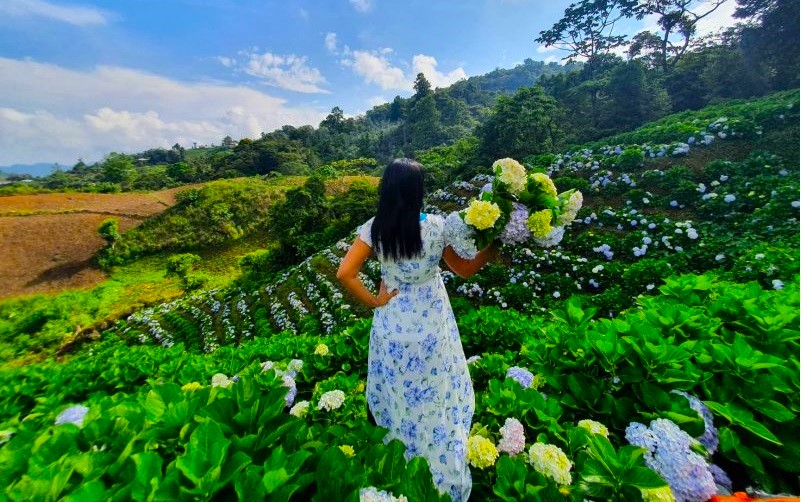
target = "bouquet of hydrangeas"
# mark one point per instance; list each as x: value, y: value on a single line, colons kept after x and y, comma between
x: 515, y: 208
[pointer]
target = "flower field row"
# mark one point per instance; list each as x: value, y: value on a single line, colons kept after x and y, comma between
x: 284, y: 416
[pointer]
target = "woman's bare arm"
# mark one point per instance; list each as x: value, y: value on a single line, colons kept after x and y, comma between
x: 348, y: 275
x: 465, y: 268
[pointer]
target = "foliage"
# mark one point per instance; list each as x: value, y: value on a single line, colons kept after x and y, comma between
x: 181, y: 266
x: 519, y: 125
x: 212, y: 214
x: 109, y: 230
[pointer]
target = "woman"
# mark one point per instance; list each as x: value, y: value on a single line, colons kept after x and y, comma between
x: 418, y: 385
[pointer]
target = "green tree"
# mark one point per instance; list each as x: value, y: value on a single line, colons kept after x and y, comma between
x: 520, y: 125
x: 423, y: 118
x: 182, y: 266
x: 634, y: 98
x: 677, y: 20
x: 181, y: 171
x: 424, y: 123
x: 335, y: 120
x: 396, y: 109
x: 118, y: 168
x: 586, y: 29
x: 770, y: 39
x: 109, y: 230
x: 422, y: 87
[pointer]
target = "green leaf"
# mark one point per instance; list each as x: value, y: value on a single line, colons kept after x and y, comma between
x: 205, y: 453
x: 249, y: 485
x: 743, y: 418
x: 643, y: 478
x: 775, y: 411
x: 749, y: 458
x: 148, y: 474
x: 93, y: 490
x: 274, y: 479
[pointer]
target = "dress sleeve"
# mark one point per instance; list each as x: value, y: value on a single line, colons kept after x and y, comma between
x: 459, y: 236
x: 364, y: 232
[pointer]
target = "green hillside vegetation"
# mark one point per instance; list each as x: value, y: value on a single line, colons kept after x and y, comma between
x: 221, y: 223
x: 680, y: 274
x: 486, y: 115
x: 665, y: 324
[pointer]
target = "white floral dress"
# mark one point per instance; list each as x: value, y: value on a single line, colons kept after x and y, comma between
x: 418, y: 384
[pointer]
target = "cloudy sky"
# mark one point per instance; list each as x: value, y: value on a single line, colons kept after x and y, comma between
x: 79, y: 79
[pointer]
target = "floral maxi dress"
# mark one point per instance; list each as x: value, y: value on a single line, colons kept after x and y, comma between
x: 418, y: 384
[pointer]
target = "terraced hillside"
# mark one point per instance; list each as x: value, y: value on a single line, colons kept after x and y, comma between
x: 653, y: 355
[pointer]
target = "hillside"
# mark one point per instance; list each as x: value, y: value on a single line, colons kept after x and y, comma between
x: 47, y: 241
x: 673, y: 296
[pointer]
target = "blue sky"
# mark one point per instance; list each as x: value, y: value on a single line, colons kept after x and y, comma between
x: 81, y: 79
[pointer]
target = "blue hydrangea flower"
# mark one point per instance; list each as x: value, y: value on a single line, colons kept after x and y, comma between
x: 720, y: 476
x: 516, y: 231
x: 521, y: 375
x: 72, y: 415
x: 709, y: 438
x: 668, y: 452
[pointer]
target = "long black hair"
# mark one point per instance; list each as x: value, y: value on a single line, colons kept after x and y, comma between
x: 396, y: 227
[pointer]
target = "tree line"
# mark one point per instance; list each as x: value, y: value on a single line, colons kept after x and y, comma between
x: 532, y: 108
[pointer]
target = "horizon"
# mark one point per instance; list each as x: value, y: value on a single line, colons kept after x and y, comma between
x: 130, y: 80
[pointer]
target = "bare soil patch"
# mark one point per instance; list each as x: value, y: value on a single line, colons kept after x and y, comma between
x: 47, y: 241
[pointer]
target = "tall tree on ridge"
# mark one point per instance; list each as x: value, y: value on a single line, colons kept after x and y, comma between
x: 678, y: 21
x: 586, y: 29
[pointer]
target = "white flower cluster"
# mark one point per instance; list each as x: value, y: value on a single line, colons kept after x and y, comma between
x: 331, y: 400
x: 458, y: 235
x: 372, y: 494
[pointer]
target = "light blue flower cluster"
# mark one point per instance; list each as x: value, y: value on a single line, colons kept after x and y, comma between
x: 72, y: 415
x: 709, y: 438
x: 669, y: 453
x: 458, y: 234
x: 516, y: 231
x: 521, y: 375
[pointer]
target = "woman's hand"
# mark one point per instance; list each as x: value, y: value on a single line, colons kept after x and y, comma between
x: 383, y: 296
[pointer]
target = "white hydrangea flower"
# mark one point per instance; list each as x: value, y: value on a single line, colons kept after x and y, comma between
x: 294, y: 366
x: 551, y: 461
x: 594, y: 427
x: 220, y: 380
x: 459, y: 235
x: 372, y: 494
x: 331, y: 400
x: 512, y: 173
x: 300, y: 409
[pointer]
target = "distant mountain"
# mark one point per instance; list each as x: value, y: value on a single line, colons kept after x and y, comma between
x: 39, y: 169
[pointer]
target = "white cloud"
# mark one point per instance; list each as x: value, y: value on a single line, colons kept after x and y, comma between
x: 227, y: 62
x: 376, y: 68
x: 721, y: 18
x: 542, y: 49
x: 71, y: 14
x: 331, y: 42
x: 376, y: 100
x: 53, y: 114
x: 361, y: 5
x: 428, y: 66
x: 287, y: 72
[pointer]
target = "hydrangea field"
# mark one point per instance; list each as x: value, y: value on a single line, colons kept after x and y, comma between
x: 652, y: 355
